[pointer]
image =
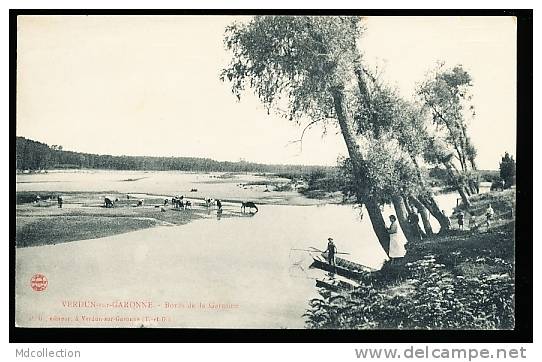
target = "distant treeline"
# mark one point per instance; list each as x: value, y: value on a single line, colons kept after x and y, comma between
x: 34, y: 156
x: 439, y: 174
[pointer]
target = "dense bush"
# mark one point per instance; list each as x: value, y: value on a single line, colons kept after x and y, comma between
x: 429, y: 297
x: 507, y: 170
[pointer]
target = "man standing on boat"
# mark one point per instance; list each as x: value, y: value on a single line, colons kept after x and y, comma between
x: 331, y: 251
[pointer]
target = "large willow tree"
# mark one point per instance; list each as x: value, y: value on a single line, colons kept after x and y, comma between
x: 307, y: 67
x: 446, y: 94
x: 395, y: 138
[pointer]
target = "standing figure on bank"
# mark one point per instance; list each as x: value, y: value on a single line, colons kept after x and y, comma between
x: 489, y: 216
x: 472, y: 222
x: 460, y: 220
x: 397, y: 247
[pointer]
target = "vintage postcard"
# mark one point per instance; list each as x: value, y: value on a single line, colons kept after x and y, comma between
x: 277, y: 171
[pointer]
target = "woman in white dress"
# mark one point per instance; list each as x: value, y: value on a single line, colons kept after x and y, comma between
x: 397, y: 246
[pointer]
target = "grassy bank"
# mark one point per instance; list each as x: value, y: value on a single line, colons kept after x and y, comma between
x: 461, y: 280
x: 83, y: 216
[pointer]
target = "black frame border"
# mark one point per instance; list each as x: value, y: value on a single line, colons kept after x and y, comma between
x: 523, y: 331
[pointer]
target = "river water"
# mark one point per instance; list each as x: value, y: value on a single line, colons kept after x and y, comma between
x: 245, y: 266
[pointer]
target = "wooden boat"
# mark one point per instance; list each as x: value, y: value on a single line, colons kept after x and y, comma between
x: 343, y: 267
x: 336, y: 283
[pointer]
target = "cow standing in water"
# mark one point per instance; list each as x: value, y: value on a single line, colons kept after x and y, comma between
x: 177, y: 202
x: 108, y: 202
x: 250, y: 206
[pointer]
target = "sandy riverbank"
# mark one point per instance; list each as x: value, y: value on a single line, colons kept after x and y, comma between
x: 84, y: 216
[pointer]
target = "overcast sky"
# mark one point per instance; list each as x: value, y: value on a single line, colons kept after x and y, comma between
x: 150, y: 85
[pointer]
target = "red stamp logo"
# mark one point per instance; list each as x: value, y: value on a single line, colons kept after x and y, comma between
x: 39, y: 282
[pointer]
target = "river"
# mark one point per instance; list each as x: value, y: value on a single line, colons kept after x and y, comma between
x: 210, y: 273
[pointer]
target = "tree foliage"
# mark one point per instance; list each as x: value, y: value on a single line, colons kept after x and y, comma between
x: 388, y: 172
x: 447, y: 95
x: 292, y: 62
x: 507, y: 170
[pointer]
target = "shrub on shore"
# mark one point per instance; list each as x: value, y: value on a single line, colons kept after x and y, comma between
x: 430, y: 297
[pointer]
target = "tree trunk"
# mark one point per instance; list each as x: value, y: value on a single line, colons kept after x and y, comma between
x: 379, y: 226
x: 437, y: 213
x: 460, y: 158
x: 346, y: 124
x: 460, y: 189
x: 473, y: 185
x: 408, y: 205
x: 423, y: 214
x: 464, y: 197
x: 431, y: 205
x: 402, y: 217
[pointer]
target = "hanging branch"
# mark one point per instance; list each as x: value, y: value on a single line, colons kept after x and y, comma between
x: 300, y: 140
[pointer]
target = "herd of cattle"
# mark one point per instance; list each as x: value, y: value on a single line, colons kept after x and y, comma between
x: 179, y: 202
